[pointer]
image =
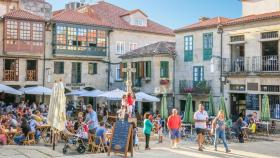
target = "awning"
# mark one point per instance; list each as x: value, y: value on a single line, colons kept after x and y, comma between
x: 38, y: 90
x: 77, y: 92
x: 143, y: 97
x: 116, y: 94
x: 94, y: 93
x: 9, y: 90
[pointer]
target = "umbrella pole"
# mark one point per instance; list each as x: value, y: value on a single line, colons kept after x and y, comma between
x: 54, y: 135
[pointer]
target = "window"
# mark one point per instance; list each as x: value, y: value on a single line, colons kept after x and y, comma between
x: 118, y: 73
x: 120, y: 47
x: 132, y: 46
x: 72, y: 38
x: 207, y: 46
x: 198, y: 74
x: 164, y: 69
x: 61, y: 35
x: 237, y: 38
x: 37, y: 32
x: 139, y: 22
x: 101, y: 38
x: 148, y: 69
x: 11, y: 69
x: 25, y: 30
x: 12, y: 29
x: 92, y: 38
x: 92, y: 68
x: 188, y: 53
x: 58, y: 67
x: 267, y: 35
x: 270, y: 88
x: 237, y: 87
x: 82, y: 39
x: 76, y: 73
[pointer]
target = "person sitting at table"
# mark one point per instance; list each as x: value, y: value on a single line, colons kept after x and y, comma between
x: 237, y: 129
x: 11, y: 122
x: 78, y: 123
x: 3, y: 137
x: 25, y: 130
x: 38, y: 117
x: 252, y: 126
x: 33, y: 125
x: 101, y: 133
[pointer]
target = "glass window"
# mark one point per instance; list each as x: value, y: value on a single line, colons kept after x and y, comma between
x: 139, y: 22
x: 25, y: 30
x: 76, y: 72
x: 132, y: 46
x: 164, y: 69
x: 189, y: 43
x: 92, y: 68
x: 12, y: 29
x: 198, y: 73
x: 118, y: 73
x: 92, y: 38
x: 72, y: 38
x: 82, y: 39
x: 120, y: 47
x: 37, y: 32
x: 61, y: 37
x: 207, y: 40
x: 101, y: 38
x: 58, y: 67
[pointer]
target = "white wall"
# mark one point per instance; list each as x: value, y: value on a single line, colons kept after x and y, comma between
x: 250, y: 7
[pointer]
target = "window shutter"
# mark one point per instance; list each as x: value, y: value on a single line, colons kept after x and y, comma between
x: 207, y: 46
x: 148, y: 69
x: 142, y: 67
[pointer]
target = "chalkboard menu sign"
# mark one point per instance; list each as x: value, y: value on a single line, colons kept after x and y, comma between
x: 252, y: 102
x: 122, y: 140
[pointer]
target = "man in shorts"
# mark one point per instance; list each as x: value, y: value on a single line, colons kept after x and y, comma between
x: 200, y: 119
x: 173, y: 125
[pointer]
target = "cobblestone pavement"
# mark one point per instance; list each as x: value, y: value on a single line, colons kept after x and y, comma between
x: 263, y: 149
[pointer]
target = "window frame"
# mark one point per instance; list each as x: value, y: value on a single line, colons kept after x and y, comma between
x: 118, y: 76
x: 120, y: 44
x: 60, y: 70
x: 134, y: 45
x: 200, y: 74
x: 163, y: 66
x: 94, y: 69
x: 188, y: 48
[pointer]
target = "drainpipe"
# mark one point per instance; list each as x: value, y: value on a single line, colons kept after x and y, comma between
x: 173, y: 86
x: 221, y: 31
x: 109, y: 61
x: 44, y: 61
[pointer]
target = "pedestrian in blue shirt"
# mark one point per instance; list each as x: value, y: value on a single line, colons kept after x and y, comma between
x: 91, y: 119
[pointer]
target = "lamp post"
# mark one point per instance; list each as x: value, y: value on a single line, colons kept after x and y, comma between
x: 220, y: 31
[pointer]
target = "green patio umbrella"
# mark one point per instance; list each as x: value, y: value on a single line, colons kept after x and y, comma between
x: 188, y: 116
x: 163, y: 107
x: 265, y: 114
x: 223, y: 107
x: 211, y: 111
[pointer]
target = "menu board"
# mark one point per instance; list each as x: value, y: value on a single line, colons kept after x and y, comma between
x: 122, y: 140
x: 252, y: 102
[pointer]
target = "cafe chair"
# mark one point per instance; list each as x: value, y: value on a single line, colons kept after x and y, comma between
x: 30, y: 139
x: 98, y: 148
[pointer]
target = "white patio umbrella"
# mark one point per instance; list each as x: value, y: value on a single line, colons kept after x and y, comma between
x: 38, y: 90
x: 57, y: 110
x: 116, y: 94
x: 9, y: 90
x: 94, y: 93
x: 77, y: 92
x: 143, y: 97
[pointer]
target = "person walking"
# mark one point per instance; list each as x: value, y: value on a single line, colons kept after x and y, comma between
x: 148, y: 126
x: 218, y: 127
x: 173, y: 125
x: 91, y: 119
x: 200, y: 119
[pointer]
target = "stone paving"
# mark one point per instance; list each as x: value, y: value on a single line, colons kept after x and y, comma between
x: 263, y: 149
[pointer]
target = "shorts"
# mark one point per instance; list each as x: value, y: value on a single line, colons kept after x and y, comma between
x: 129, y: 109
x: 200, y: 131
x: 174, y: 134
x: 160, y: 133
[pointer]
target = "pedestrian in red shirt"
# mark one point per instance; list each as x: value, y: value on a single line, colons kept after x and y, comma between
x: 130, y: 101
x: 173, y: 125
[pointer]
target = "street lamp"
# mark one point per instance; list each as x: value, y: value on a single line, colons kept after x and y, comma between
x: 220, y: 31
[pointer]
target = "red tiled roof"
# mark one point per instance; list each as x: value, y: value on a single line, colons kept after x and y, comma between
x: 71, y: 16
x: 213, y: 22
x: 112, y: 15
x: 253, y: 18
x: 134, y: 11
x: 21, y: 14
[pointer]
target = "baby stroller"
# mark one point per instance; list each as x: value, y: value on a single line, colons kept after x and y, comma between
x: 77, y: 142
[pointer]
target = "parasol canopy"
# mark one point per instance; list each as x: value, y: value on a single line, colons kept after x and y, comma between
x: 211, y: 111
x: 143, y: 97
x: 38, y: 90
x: 265, y: 114
x: 77, y: 92
x: 57, y: 110
x: 116, y: 94
x: 9, y: 90
x: 94, y: 93
x: 188, y: 116
x: 223, y: 107
x: 163, y: 107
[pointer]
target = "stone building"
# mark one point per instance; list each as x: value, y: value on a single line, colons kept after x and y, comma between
x: 198, y: 62
x: 154, y: 71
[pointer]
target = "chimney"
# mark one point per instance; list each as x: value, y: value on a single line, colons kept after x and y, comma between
x: 203, y: 18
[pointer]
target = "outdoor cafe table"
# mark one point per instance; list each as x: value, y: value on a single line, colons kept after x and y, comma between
x: 244, y: 130
x: 10, y: 136
x: 264, y: 124
x: 44, y: 130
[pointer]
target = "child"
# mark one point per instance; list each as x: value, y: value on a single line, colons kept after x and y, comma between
x: 159, y: 128
x: 121, y: 113
x: 130, y: 101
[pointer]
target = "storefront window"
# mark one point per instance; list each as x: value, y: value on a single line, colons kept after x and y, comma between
x: 274, y: 102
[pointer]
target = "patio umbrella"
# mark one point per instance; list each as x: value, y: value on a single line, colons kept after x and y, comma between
x: 211, y: 111
x: 77, y: 92
x: 265, y: 114
x: 116, y: 94
x: 143, y: 97
x: 93, y: 93
x: 188, y: 116
x: 38, y: 90
x: 163, y: 107
x: 223, y: 107
x: 9, y: 90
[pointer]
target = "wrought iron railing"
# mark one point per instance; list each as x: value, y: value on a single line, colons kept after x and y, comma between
x: 199, y: 87
x: 31, y: 75
x: 10, y: 75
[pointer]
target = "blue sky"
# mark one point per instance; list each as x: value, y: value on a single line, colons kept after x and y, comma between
x: 174, y: 13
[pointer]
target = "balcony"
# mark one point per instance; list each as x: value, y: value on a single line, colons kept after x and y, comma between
x: 201, y: 87
x: 10, y: 75
x: 31, y: 75
x: 256, y: 64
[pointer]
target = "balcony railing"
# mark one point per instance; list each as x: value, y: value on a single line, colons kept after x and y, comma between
x: 31, y: 75
x: 10, y: 75
x: 256, y: 64
x: 200, y: 87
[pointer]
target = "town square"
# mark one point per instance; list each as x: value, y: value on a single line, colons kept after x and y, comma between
x: 139, y: 78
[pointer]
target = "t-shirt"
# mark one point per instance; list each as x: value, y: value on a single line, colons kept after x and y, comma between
x: 202, y: 116
x: 147, y: 126
x: 174, y: 122
x: 253, y: 127
x: 100, y: 134
x: 92, y: 120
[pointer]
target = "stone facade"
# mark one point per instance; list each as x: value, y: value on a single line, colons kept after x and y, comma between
x: 250, y: 7
x: 184, y: 70
x: 139, y: 38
